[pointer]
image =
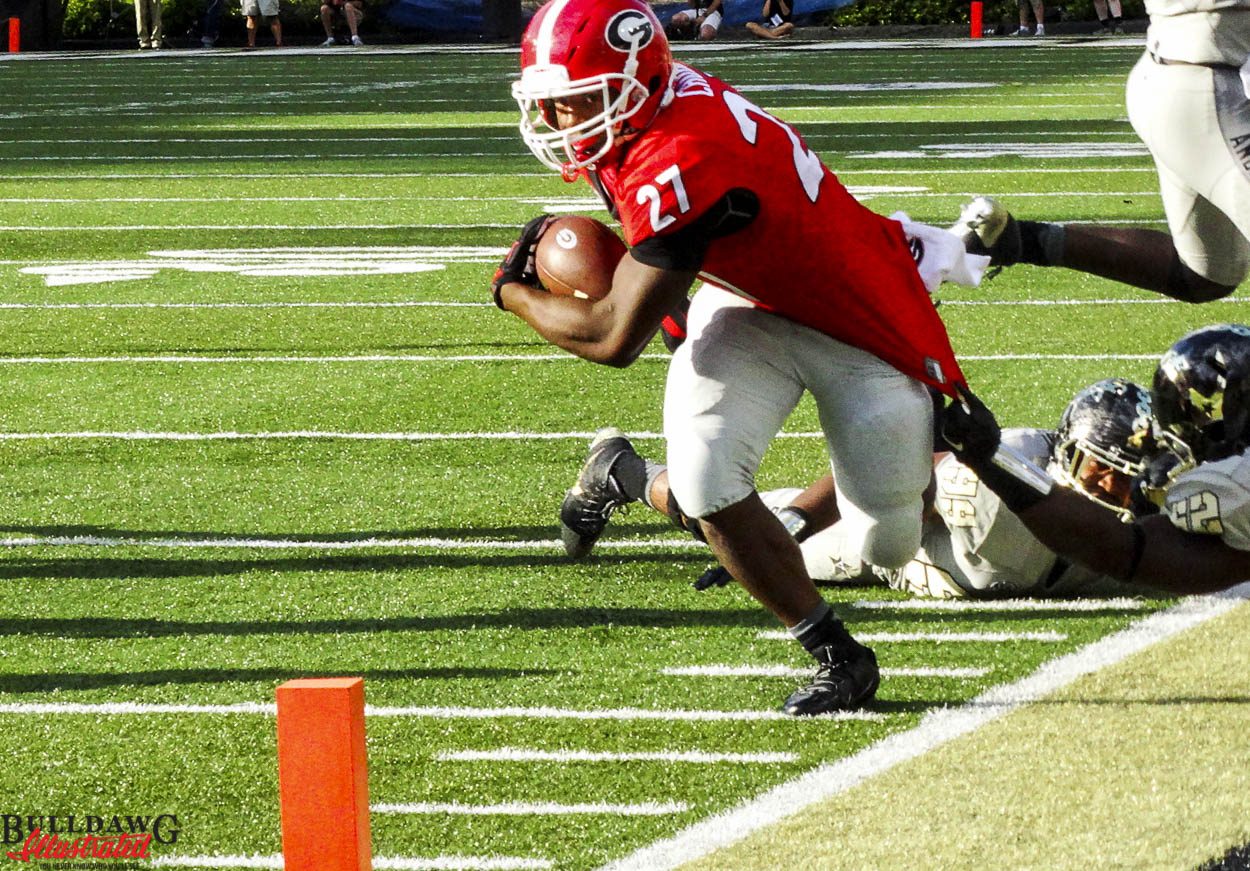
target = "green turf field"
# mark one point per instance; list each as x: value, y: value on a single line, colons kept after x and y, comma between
x: 261, y: 421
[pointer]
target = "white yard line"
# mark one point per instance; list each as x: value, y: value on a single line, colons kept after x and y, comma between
x: 614, y: 714
x: 148, y: 228
x: 297, y: 140
x: 397, y: 863
x: 1115, y: 604
x: 259, y: 158
x: 939, y: 637
x: 939, y: 726
x: 141, y: 435
x: 1154, y: 300
x: 523, y: 713
x: 520, y: 754
x: 438, y: 544
x: 942, y: 637
x: 234, y: 305
x: 461, y: 863
x: 788, y: 671
x: 455, y: 358
x: 345, y: 304
x: 516, y: 809
x: 296, y: 358
x: 54, y: 306
x: 1016, y: 357
x: 1148, y: 171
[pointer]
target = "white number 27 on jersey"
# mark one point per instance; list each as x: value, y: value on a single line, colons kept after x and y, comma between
x: 650, y: 194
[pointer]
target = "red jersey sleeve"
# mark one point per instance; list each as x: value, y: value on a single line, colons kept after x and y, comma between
x: 675, y: 182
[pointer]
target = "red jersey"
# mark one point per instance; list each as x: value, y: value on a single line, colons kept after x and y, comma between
x: 812, y: 254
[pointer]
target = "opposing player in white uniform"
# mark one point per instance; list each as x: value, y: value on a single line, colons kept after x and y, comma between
x: 974, y: 546
x: 1201, y: 541
x: 971, y: 545
x: 1189, y: 104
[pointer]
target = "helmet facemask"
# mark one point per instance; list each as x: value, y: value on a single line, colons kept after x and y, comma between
x: 1083, y: 466
x: 1100, y: 443
x: 588, y: 141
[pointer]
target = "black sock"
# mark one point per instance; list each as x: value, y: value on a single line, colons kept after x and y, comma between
x: 630, y: 473
x: 821, y: 629
x: 1040, y: 243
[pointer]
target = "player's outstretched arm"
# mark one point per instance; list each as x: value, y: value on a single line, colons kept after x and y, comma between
x: 1151, y: 551
x: 614, y: 330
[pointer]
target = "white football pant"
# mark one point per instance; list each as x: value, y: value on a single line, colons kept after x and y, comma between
x: 736, y: 379
x: 1196, y: 122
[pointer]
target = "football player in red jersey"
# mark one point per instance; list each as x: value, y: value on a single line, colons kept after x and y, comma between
x: 824, y: 296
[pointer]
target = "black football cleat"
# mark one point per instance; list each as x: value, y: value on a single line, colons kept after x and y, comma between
x: 987, y: 228
x: 599, y: 490
x: 844, y: 680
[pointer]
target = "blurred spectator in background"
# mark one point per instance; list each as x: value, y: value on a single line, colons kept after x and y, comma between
x: 148, y: 21
x: 353, y: 12
x: 1113, y: 23
x: 776, y: 22
x: 1039, y: 12
x: 256, y: 10
x: 211, y: 27
x: 702, y: 20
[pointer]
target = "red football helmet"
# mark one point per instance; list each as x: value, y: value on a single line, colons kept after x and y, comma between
x: 613, y: 49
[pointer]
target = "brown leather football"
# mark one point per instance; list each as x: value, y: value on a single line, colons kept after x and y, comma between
x: 576, y: 256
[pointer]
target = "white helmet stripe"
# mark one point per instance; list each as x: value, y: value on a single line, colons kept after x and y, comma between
x: 543, y: 43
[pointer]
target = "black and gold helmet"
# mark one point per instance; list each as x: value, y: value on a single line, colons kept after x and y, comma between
x: 1202, y: 392
x: 1099, y: 442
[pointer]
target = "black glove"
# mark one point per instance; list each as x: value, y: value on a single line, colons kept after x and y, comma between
x: 970, y: 429
x: 716, y: 576
x: 518, y: 265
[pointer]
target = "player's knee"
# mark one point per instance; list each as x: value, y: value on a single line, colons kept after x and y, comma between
x: 892, y: 539
x: 703, y: 489
x: 1188, y: 286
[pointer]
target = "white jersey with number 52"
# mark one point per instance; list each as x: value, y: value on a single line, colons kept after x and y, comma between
x: 1214, y: 499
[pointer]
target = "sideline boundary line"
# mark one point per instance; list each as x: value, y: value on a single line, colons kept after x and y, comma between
x: 935, y: 729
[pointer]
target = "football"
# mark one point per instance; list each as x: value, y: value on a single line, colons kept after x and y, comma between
x: 576, y: 256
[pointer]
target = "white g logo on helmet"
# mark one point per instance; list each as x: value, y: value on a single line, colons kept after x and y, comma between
x: 629, y: 31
